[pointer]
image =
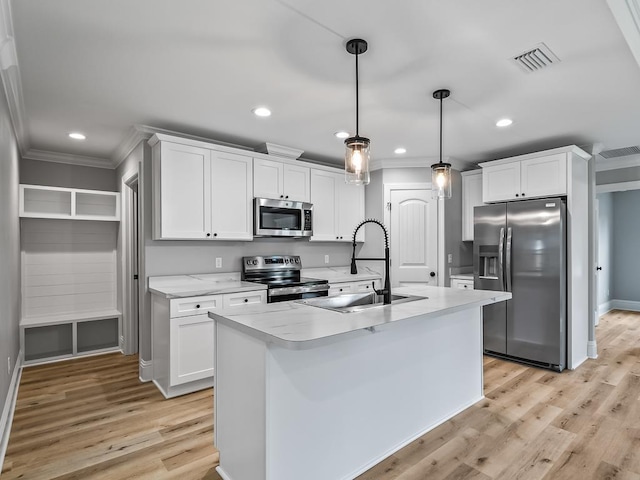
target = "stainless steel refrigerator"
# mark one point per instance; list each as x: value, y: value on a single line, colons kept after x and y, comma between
x: 520, y: 247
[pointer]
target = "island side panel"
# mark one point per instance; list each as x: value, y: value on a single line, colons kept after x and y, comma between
x: 239, y: 408
x: 336, y: 410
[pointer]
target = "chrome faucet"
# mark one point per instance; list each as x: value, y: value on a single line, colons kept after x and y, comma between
x: 386, y: 291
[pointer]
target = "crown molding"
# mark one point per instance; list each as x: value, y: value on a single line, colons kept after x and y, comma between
x: 137, y: 134
x: 10, y: 75
x: 68, y: 158
x: 627, y: 16
x: 605, y: 164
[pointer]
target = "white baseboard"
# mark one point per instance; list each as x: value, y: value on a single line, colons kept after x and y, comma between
x: 592, y: 349
x: 146, y: 370
x: 625, y: 305
x: 9, y: 407
x: 604, y: 307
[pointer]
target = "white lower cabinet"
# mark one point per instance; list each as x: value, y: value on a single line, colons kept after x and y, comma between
x: 183, y: 339
x: 462, y: 284
x: 362, y: 286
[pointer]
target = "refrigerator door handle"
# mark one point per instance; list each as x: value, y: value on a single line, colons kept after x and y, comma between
x: 501, y: 258
x: 508, y: 260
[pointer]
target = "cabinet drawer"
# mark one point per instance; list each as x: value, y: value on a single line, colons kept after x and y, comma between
x: 184, y: 307
x: 462, y: 284
x: 231, y: 300
x: 365, y: 286
x: 339, y: 288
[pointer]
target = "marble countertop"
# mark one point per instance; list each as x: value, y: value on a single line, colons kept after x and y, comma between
x: 461, y: 276
x: 180, y: 286
x: 294, y: 325
x: 341, y: 274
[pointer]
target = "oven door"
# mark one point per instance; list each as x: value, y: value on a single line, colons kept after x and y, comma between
x: 281, y: 218
x: 284, y: 294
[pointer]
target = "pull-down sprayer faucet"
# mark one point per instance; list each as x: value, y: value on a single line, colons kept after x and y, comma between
x: 386, y: 291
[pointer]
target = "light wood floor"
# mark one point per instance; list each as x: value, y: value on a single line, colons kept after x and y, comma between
x: 91, y: 418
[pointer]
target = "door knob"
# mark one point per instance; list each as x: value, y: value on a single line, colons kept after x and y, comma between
x: 432, y: 274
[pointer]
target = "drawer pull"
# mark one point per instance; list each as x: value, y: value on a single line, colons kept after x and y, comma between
x: 198, y: 306
x: 246, y: 300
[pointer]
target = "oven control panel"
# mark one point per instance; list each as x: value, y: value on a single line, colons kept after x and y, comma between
x: 273, y: 262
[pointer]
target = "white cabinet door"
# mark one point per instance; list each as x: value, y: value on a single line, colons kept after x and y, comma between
x: 268, y: 179
x: 471, y: 197
x: 231, y: 197
x: 191, y: 349
x: 350, y: 210
x: 324, y: 196
x: 544, y: 176
x: 297, y: 183
x: 183, y: 193
x: 501, y: 182
x: 337, y: 207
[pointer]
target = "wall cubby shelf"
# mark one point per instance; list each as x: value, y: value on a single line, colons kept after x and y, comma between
x: 38, y: 201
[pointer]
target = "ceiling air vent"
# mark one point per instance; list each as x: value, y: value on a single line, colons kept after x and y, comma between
x: 620, y: 152
x: 535, y: 59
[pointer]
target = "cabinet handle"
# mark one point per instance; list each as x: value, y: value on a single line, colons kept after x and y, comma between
x: 246, y: 300
x: 340, y: 289
x: 208, y: 234
x: 281, y: 196
x: 517, y: 194
x: 523, y: 194
x: 198, y: 306
x: 215, y: 234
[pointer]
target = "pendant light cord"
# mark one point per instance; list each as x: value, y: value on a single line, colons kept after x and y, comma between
x: 357, y: 96
x: 440, y: 129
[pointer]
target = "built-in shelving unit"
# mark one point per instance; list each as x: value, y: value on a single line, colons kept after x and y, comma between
x: 38, y: 201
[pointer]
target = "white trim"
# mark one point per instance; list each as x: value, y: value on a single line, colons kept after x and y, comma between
x: 603, y: 165
x: 10, y: 74
x: 627, y: 16
x: 618, y: 187
x: 568, y: 149
x: 630, y: 305
x: 604, y: 308
x: 68, y: 158
x: 592, y: 349
x: 129, y: 307
x: 222, y: 473
x: 9, y: 408
x: 146, y: 370
x: 136, y: 135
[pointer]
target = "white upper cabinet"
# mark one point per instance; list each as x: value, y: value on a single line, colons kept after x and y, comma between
x: 471, y: 197
x: 201, y: 193
x: 507, y: 179
x: 337, y: 207
x: 273, y: 179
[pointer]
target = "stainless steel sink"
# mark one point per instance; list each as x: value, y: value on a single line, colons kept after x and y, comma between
x: 356, y: 302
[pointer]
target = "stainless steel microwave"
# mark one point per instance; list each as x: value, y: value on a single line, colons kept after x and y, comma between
x: 282, y: 218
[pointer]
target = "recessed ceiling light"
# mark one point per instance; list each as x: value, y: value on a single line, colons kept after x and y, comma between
x: 261, y: 112
x: 400, y: 150
x: 77, y: 136
x: 504, y: 122
x: 342, y: 134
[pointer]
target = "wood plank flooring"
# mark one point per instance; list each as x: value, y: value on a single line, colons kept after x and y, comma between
x: 92, y: 419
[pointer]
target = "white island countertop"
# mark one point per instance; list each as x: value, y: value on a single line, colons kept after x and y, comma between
x: 294, y: 325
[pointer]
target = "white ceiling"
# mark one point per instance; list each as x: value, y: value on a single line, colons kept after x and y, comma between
x: 200, y: 66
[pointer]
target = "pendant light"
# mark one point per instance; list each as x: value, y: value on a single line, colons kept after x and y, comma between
x: 356, y: 158
x: 441, y: 172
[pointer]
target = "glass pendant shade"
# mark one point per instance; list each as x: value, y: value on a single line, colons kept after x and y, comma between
x: 441, y: 180
x: 356, y: 161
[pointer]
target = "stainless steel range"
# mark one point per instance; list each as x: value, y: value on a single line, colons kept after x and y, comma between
x: 281, y: 274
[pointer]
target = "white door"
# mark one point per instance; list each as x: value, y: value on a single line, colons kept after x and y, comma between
x: 414, y: 237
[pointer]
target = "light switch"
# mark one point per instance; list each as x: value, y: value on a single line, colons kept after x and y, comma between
x: 218, y: 262
x: 450, y: 258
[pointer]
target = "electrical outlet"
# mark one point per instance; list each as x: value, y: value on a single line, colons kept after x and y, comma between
x: 9, y: 365
x: 450, y: 258
x: 326, y: 259
x: 218, y: 262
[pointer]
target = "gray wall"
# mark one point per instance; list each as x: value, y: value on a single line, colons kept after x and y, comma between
x: 9, y: 250
x: 35, y: 172
x: 605, y: 246
x: 626, y: 246
x: 631, y: 174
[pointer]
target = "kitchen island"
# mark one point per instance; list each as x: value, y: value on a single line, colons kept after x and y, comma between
x: 304, y: 392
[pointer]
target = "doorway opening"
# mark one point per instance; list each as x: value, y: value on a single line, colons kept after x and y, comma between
x: 130, y: 236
